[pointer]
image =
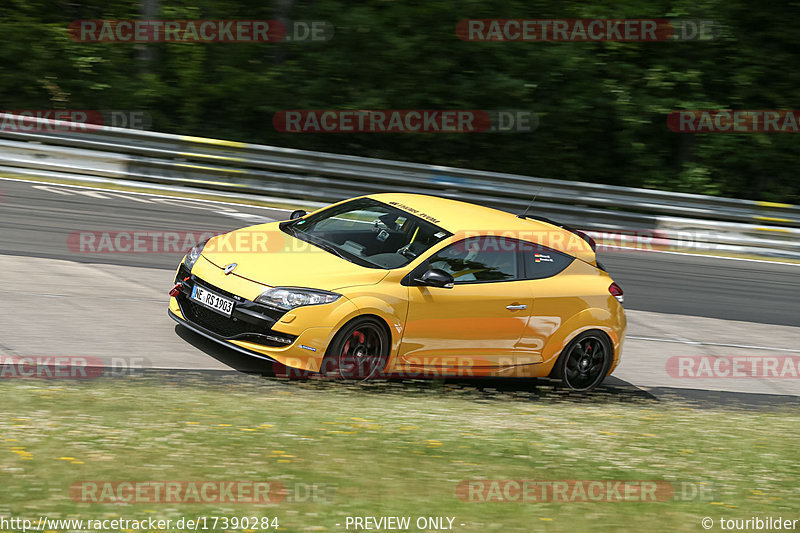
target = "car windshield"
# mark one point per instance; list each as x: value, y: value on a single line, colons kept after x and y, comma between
x: 368, y: 232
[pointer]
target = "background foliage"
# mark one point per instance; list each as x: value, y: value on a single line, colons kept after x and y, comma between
x: 602, y: 106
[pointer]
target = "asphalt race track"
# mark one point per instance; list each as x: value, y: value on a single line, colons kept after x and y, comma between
x: 37, y: 220
x: 678, y: 304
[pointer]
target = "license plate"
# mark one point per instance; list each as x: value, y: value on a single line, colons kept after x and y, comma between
x: 212, y: 300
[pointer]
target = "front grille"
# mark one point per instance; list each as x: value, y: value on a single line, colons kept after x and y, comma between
x: 210, y: 320
x: 183, y: 273
x: 231, y: 328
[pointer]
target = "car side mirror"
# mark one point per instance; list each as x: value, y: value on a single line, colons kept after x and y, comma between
x: 435, y: 277
x: 299, y: 213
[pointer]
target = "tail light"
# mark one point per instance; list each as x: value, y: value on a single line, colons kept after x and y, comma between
x: 616, y: 292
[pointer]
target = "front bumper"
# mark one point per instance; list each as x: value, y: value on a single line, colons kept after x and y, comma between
x: 252, y: 330
x: 214, y: 337
x: 249, y: 321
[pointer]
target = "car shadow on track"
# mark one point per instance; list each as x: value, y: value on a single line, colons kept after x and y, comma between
x: 611, y: 390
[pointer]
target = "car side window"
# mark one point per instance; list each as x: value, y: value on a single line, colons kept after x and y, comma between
x: 479, y: 259
x: 543, y: 262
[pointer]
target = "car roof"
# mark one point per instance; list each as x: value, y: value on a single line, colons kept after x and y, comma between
x: 463, y: 218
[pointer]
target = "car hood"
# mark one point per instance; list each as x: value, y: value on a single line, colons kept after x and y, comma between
x: 266, y: 255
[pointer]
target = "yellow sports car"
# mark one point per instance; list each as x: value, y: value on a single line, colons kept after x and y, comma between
x: 408, y: 285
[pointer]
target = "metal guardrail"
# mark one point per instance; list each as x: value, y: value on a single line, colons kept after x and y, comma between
x: 694, y: 221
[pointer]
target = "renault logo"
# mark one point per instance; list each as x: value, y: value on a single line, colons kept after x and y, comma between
x: 229, y: 268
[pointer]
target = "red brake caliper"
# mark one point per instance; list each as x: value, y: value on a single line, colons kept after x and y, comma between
x: 359, y: 335
x: 356, y: 335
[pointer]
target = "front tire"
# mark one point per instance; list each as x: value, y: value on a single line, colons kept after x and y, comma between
x: 585, y: 361
x: 359, y: 351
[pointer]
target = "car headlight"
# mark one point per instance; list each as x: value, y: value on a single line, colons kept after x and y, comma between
x: 287, y: 298
x: 193, y: 255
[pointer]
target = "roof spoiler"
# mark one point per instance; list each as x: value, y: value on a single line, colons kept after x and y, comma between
x: 590, y: 241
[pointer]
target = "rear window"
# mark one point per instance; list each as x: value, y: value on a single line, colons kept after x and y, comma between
x: 542, y: 262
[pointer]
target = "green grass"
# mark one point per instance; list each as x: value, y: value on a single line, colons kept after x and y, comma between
x: 388, y: 449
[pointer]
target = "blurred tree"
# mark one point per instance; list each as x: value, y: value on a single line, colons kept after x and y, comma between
x: 149, y: 11
x: 602, y: 107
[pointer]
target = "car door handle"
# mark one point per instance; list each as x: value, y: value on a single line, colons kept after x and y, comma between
x: 516, y: 307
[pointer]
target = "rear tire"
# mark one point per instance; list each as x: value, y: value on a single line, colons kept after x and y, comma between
x: 358, y: 351
x: 584, y: 362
